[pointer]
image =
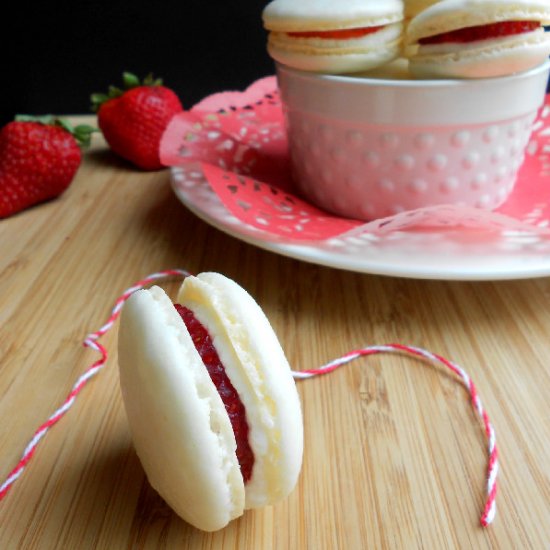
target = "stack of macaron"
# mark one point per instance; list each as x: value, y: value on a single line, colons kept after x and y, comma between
x: 439, y: 39
x: 210, y: 398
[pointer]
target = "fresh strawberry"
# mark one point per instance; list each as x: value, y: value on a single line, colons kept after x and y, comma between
x: 133, y: 120
x: 38, y: 160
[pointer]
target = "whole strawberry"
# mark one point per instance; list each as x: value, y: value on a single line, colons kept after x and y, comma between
x: 38, y: 160
x: 133, y: 119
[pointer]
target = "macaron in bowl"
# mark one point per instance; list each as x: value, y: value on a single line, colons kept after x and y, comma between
x: 478, y: 38
x: 328, y: 36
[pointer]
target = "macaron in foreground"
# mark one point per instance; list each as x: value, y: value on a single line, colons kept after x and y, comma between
x: 211, y: 402
x: 478, y: 38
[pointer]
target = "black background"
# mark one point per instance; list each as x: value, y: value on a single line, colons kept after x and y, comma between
x: 61, y: 52
x: 55, y: 54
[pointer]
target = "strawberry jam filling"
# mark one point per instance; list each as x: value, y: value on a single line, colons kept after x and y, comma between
x: 482, y: 32
x: 342, y: 34
x: 230, y: 397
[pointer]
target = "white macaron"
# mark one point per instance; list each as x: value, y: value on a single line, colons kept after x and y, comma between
x: 207, y: 466
x: 478, y: 38
x: 343, y: 36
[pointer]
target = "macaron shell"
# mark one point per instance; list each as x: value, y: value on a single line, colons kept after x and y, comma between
x: 257, y: 367
x: 487, y: 59
x: 414, y: 7
x: 337, y: 56
x: 303, y: 15
x: 450, y: 15
x: 181, y: 431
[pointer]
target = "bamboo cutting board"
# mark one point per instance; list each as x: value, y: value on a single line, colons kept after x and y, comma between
x: 395, y: 457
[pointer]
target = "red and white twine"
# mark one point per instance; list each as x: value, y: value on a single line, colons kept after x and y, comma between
x: 91, y: 341
x: 489, y: 510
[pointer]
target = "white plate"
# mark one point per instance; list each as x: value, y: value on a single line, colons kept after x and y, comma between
x: 451, y: 254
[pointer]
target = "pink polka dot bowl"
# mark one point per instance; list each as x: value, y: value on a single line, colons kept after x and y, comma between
x: 367, y: 147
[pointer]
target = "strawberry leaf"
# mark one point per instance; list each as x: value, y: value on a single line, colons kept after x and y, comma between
x: 114, y: 92
x: 98, y: 99
x: 43, y: 119
x: 130, y: 81
x: 81, y: 133
x: 149, y: 80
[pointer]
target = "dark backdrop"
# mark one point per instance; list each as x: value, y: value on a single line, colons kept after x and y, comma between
x: 64, y: 51
x: 55, y: 54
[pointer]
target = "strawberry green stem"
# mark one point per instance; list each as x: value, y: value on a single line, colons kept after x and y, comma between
x: 82, y: 132
x: 129, y: 81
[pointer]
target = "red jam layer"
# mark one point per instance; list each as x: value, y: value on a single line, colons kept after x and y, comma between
x: 482, y: 32
x: 230, y: 397
x: 342, y: 34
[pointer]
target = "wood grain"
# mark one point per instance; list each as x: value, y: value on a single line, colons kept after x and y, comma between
x: 394, y: 455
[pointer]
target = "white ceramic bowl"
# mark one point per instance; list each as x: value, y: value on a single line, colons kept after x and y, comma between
x: 367, y: 148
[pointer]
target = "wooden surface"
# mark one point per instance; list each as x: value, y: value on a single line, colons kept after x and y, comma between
x: 394, y: 455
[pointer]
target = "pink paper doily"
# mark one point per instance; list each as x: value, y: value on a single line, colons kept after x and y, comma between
x: 240, y: 143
